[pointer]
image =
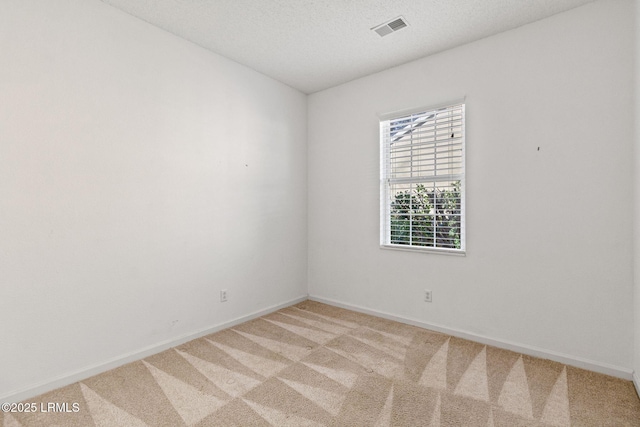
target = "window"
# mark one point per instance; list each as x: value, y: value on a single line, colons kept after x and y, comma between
x: 422, y: 180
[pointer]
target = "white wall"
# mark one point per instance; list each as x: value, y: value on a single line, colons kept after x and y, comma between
x: 139, y: 176
x: 548, y: 262
x: 636, y: 157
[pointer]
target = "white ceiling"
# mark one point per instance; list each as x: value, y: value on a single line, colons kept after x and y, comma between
x: 316, y: 44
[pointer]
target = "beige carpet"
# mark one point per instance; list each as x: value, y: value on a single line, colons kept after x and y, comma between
x: 317, y: 365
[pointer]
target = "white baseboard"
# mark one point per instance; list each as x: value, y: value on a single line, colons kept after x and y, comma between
x: 577, y: 362
x: 636, y: 382
x: 64, y: 380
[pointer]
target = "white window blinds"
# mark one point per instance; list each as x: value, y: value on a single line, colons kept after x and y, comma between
x: 422, y: 179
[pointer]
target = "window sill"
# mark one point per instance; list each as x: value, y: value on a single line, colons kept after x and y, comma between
x: 440, y: 251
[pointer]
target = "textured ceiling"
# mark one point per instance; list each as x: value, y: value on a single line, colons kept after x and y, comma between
x: 315, y: 44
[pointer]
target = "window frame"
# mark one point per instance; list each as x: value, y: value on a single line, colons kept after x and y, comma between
x: 386, y: 181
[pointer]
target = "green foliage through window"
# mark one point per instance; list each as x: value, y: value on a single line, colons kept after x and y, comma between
x: 429, y: 217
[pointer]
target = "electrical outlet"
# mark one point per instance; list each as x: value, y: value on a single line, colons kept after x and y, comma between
x: 223, y: 295
x: 427, y: 296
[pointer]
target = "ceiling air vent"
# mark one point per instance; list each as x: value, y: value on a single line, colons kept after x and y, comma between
x: 391, y: 26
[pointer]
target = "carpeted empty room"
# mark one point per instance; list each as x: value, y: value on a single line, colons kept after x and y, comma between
x: 319, y: 213
x: 312, y: 364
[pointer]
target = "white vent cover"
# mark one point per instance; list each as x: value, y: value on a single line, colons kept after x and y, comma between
x: 390, y: 26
